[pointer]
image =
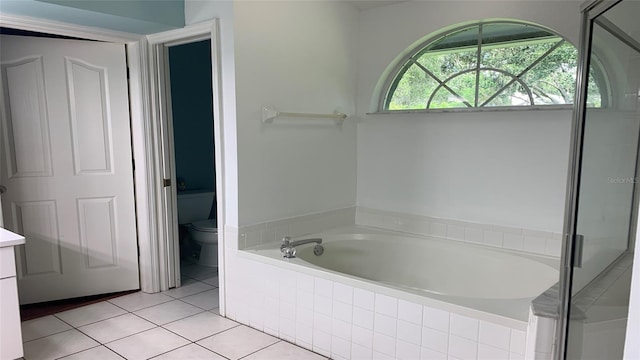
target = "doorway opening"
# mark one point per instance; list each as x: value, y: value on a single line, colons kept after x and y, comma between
x: 201, y: 44
x: 191, y: 114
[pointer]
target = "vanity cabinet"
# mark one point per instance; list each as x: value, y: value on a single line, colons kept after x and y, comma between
x: 10, y: 331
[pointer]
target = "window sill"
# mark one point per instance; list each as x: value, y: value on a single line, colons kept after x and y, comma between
x: 482, y: 109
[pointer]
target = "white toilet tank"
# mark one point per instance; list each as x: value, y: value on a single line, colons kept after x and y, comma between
x: 194, y: 205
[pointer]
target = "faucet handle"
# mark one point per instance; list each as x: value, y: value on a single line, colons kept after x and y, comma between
x: 286, y: 249
x: 288, y: 252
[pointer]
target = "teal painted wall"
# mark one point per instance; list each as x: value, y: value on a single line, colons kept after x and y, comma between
x: 169, y: 12
x: 132, y: 16
x: 192, y: 105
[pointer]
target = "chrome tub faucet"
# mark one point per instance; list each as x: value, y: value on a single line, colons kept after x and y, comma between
x: 288, y: 247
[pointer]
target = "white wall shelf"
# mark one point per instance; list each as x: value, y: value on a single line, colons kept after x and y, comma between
x: 269, y: 114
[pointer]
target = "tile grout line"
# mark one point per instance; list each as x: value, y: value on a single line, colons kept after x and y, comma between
x: 72, y: 328
x: 77, y: 352
x: 270, y: 345
x: 55, y: 315
x: 182, y: 318
x: 196, y: 293
x: 305, y: 349
x: 139, y: 332
x: 206, y: 337
x: 146, y: 307
x: 115, y: 352
x: 99, y: 343
x: 126, y: 311
x: 154, y: 325
x: 93, y: 322
x: 55, y: 333
x: 124, y: 337
x: 105, y: 343
x: 168, y: 351
x: 196, y: 305
x: 212, y: 351
x: 189, y: 342
x: 108, y: 348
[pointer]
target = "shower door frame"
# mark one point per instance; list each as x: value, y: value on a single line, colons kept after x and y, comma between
x: 590, y: 11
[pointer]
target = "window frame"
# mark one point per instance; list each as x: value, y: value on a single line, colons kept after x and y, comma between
x: 400, y: 68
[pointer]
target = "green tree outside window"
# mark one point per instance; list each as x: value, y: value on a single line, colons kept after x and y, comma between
x: 489, y: 65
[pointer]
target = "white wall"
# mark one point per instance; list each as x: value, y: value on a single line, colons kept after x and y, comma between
x: 501, y: 168
x: 383, y: 34
x: 504, y: 168
x: 298, y: 57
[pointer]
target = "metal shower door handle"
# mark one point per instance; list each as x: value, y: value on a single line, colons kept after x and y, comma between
x: 578, y: 249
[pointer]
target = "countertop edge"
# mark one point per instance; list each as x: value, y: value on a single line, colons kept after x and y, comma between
x: 8, y: 238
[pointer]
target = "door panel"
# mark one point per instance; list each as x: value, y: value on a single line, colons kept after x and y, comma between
x: 67, y: 166
x: 90, y: 122
x: 39, y: 220
x: 97, y: 232
x: 28, y: 148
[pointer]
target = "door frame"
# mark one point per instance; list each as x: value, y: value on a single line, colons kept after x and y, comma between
x: 589, y: 11
x: 140, y: 93
x: 161, y: 112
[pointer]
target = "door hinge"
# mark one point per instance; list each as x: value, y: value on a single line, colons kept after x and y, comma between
x: 166, y: 182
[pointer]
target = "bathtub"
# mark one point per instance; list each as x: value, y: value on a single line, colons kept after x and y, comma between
x: 437, y: 271
x: 433, y: 267
x: 377, y: 294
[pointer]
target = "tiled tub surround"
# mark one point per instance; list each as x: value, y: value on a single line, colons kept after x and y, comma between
x: 346, y: 318
x: 272, y: 231
x: 349, y: 318
x: 519, y: 239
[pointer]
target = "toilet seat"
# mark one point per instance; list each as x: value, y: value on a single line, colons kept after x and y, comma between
x: 205, y: 225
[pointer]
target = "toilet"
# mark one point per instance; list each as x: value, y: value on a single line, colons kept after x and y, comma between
x: 194, y: 207
x: 205, y: 233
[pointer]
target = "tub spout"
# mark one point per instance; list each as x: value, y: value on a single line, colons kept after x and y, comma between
x: 288, y: 247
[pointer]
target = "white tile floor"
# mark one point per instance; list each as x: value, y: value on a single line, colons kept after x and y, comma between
x: 181, y: 323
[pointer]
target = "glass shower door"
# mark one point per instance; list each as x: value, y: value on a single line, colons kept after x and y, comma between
x: 606, y: 181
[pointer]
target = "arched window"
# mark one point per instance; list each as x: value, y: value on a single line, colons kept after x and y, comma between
x: 487, y: 64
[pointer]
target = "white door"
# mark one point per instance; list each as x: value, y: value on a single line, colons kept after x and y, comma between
x: 66, y: 163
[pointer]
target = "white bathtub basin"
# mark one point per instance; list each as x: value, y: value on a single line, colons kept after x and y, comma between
x: 475, y: 280
x: 433, y: 266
